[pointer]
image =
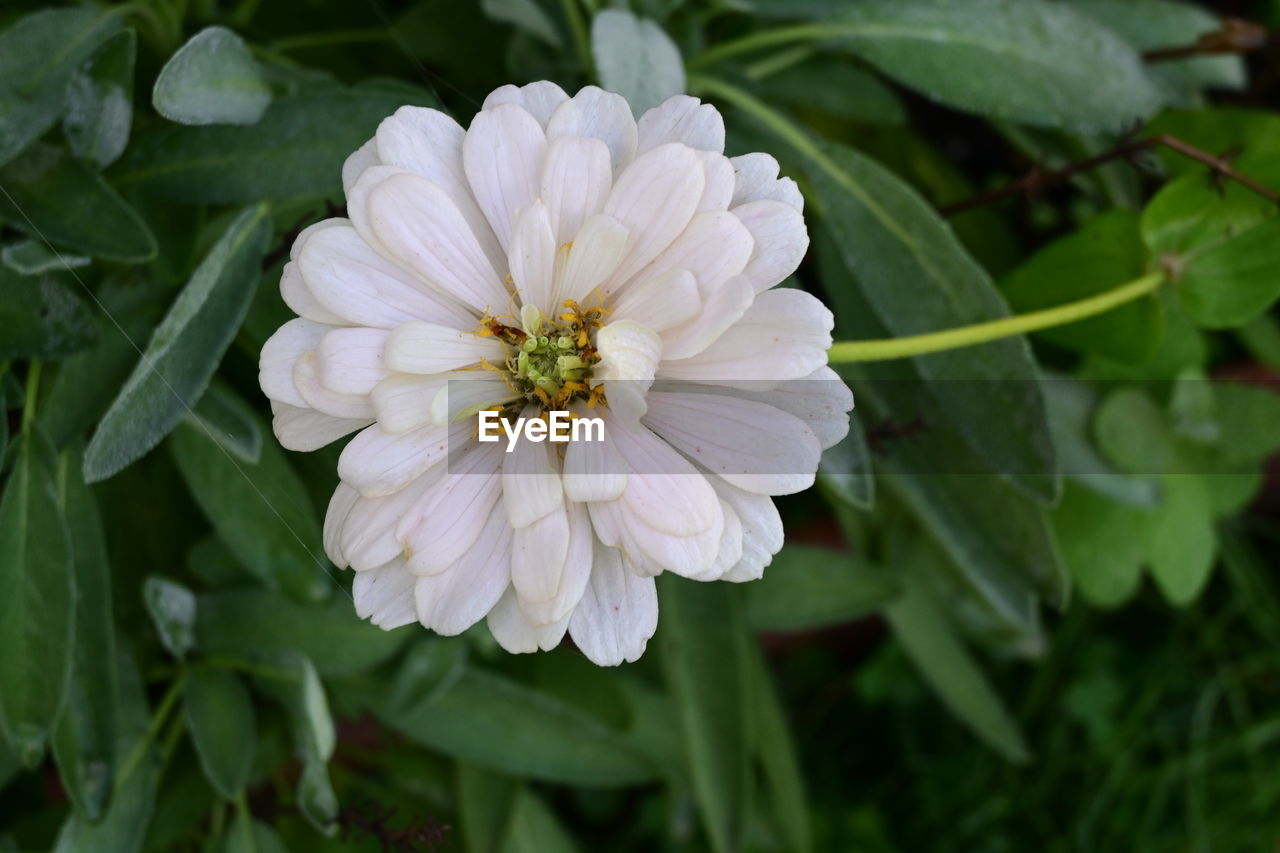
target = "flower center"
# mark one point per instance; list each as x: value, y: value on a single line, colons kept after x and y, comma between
x: 549, y: 362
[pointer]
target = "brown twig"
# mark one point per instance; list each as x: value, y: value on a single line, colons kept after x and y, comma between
x: 1037, y: 179
x: 1234, y: 36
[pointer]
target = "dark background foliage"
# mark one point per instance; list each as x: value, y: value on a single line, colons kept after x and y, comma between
x: 1036, y: 608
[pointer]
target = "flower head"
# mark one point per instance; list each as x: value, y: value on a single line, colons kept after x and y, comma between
x: 555, y: 256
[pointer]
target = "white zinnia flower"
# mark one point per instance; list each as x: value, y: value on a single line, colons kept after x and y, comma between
x: 632, y: 256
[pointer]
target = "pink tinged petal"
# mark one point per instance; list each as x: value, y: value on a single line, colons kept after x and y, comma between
x: 300, y: 299
x: 762, y: 535
x: 349, y: 278
x: 654, y: 199
x: 530, y: 480
x: 629, y: 356
x: 502, y: 155
x: 305, y: 429
x: 517, y: 634
x: 572, y: 577
x: 446, y: 521
x: 533, y: 256
x: 369, y: 532
x: 594, y: 113
x: 426, y: 348
x: 452, y: 601
x: 539, y: 99
x: 429, y: 143
x: 340, y: 505
x: 576, y: 179
x: 785, y: 334
x: 364, y: 157
x: 683, y: 119
x: 593, y: 470
x: 385, y: 596
x: 423, y: 229
x: 664, y: 491
x: 718, y: 191
x: 725, y: 305
x: 378, y: 462
x: 753, y: 445
x: 350, y: 360
x: 306, y: 378
x: 281, y: 352
x: 781, y: 241
x: 618, y: 612
x: 660, y: 303
x: 592, y: 259
x: 757, y: 178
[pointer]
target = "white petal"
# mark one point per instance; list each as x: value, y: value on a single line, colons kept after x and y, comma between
x: 364, y: 157
x: 593, y: 470
x: 725, y: 305
x: 350, y: 360
x: 762, y: 534
x: 306, y: 429
x: 538, y: 555
x: 753, y: 445
x: 681, y: 118
x: 571, y: 580
x: 502, y: 155
x: 717, y: 193
x: 629, y: 356
x: 576, y: 179
x: 281, y: 352
x: 385, y: 596
x: 821, y: 400
x: 446, y: 521
x: 757, y: 178
x: 714, y: 247
x: 530, y: 480
x: 597, y: 114
x: 344, y: 498
x: 353, y: 281
x: 306, y: 378
x: 369, y: 533
x: 423, y: 229
x: 781, y: 241
x: 515, y: 633
x: 358, y: 202
x: 533, y: 256
x: 465, y: 393
x: 452, y: 601
x: 662, y: 302
x: 300, y: 299
x: 649, y: 551
x: 592, y: 258
x: 618, y: 612
x: 729, y: 553
x: 429, y: 348
x: 378, y: 462
x: 403, y: 400
x: 664, y: 491
x: 539, y: 99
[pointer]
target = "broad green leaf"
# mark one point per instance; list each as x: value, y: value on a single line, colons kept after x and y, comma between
x: 429, y: 668
x: 262, y: 512
x: 184, y: 350
x: 172, y: 608
x: 52, y: 196
x: 33, y: 257
x: 84, y: 738
x: 42, y: 317
x: 1100, y: 546
x: 1104, y: 254
x: 485, y: 801
x: 835, y: 88
x: 38, y: 56
x: 100, y: 102
x: 1261, y: 336
x: 704, y: 643
x: 908, y: 265
x: 636, y: 59
x: 1131, y: 431
x: 212, y: 79
x: 296, y: 149
x: 807, y: 587
x: 37, y: 609
x: 223, y: 728
x: 1029, y: 61
x: 1217, y: 131
x: 504, y: 725
x: 784, y: 777
x: 526, y: 15
x: 230, y: 421
x: 1071, y: 408
x: 316, y: 799
x: 1180, y: 539
x: 926, y: 635
x: 845, y: 469
x: 254, y: 622
x: 533, y: 827
x: 1247, y: 417
x: 246, y: 835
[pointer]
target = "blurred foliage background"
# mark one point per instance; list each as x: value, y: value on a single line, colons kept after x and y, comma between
x: 1037, y: 609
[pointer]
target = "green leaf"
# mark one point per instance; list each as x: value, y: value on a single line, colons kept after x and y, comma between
x: 296, y: 149
x: 1071, y: 408
x: 247, y: 835
x: 1132, y: 432
x: 1099, y: 545
x: 1028, y: 61
x: 230, y: 421
x: 38, y: 56
x: 184, y: 350
x: 485, y: 801
x: 42, y: 317
x: 261, y: 512
x: 1246, y: 417
x: 52, y: 196
x: 908, y: 265
x: 430, y: 667
x: 835, y: 88
x: 84, y: 738
x: 533, y: 828
x: 636, y: 59
x: 100, y: 102
x: 927, y: 637
x: 223, y: 728
x: 1180, y: 539
x: 1218, y: 131
x: 172, y: 608
x: 316, y: 799
x: 212, y: 79
x: 704, y: 644
x: 504, y: 725
x: 1105, y: 253
x: 37, y: 621
x: 807, y: 587
x: 784, y: 777
x: 845, y: 470
x: 525, y: 15
x: 33, y: 257
x: 252, y: 623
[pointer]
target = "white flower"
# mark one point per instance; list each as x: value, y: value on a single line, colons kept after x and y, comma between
x: 558, y: 254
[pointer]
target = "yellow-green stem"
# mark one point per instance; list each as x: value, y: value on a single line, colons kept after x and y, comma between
x: 981, y: 333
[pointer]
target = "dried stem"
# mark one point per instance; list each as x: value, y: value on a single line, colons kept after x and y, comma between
x: 1234, y: 36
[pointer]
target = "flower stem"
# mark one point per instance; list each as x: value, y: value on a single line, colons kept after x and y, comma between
x: 158, y: 719
x: 981, y: 333
x: 780, y: 35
